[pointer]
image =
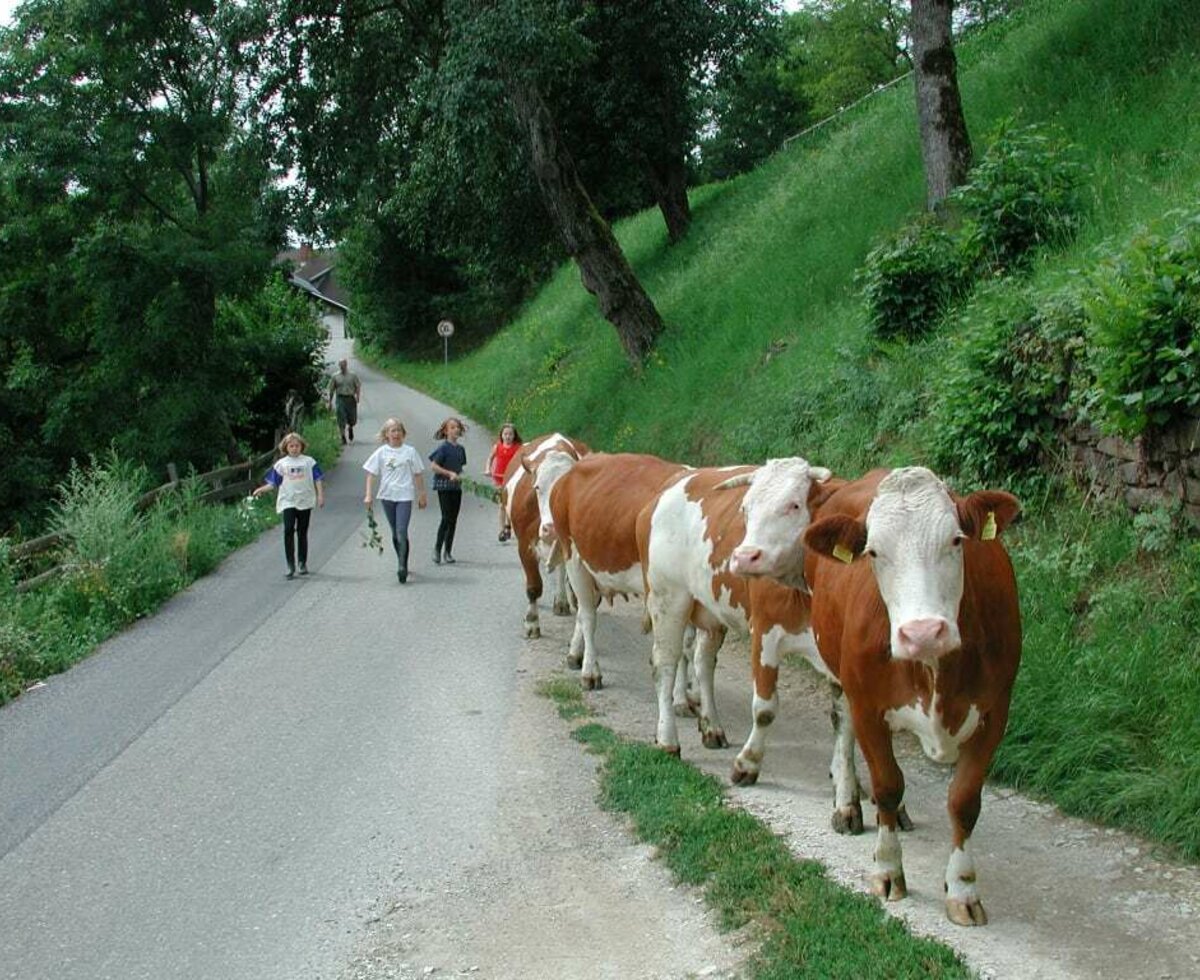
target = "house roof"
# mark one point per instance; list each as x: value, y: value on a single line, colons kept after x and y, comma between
x: 315, y: 273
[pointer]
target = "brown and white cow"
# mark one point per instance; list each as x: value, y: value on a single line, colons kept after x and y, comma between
x: 589, y: 509
x: 686, y: 537
x: 924, y: 634
x: 519, y: 499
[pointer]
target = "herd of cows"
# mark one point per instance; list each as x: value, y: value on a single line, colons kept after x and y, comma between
x: 895, y: 589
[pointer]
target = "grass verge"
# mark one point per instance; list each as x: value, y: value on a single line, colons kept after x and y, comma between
x: 807, y: 925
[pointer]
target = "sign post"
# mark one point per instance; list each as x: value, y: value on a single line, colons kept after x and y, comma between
x: 445, y: 329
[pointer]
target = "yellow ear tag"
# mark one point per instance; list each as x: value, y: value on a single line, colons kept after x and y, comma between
x: 989, y: 527
x: 842, y: 553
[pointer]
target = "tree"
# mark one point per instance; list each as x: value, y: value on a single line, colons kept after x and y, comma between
x: 945, y: 143
x: 136, y: 199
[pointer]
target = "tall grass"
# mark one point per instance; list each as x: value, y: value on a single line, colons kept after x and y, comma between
x: 767, y: 352
x: 120, y: 564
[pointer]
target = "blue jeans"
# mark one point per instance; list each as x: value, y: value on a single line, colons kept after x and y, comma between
x: 399, y: 513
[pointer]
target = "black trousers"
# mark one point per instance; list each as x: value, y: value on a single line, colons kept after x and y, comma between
x: 450, y: 501
x: 295, y: 535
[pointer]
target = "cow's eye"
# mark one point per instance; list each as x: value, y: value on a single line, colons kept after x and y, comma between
x: 871, y: 553
x: 958, y: 540
x: 793, y: 506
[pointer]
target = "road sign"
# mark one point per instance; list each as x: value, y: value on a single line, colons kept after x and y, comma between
x: 445, y: 328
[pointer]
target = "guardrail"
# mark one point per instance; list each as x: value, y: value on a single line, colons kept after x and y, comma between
x: 225, y: 483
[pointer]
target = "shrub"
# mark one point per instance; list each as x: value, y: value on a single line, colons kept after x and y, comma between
x: 1025, y: 192
x: 1144, y: 308
x: 909, y: 280
x: 1008, y: 385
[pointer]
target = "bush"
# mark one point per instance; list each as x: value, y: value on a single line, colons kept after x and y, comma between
x: 1024, y: 193
x: 1144, y: 308
x: 1008, y: 385
x: 910, y: 279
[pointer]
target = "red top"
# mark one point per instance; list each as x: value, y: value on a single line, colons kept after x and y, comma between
x: 501, y: 456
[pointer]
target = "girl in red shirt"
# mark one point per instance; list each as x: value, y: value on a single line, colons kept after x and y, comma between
x: 507, y: 446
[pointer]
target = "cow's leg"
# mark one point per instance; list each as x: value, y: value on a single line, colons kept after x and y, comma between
x: 687, y: 694
x: 708, y: 642
x: 562, y: 598
x: 533, y: 591
x: 575, y: 649
x: 764, y: 669
x: 887, y: 785
x: 847, y: 794
x: 587, y: 598
x: 669, y: 618
x: 963, y: 905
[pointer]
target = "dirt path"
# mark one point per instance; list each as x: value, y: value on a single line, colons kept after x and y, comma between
x: 1066, y: 899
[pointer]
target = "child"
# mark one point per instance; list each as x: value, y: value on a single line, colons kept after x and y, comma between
x: 398, y: 469
x: 447, y: 462
x: 507, y: 446
x: 300, y: 483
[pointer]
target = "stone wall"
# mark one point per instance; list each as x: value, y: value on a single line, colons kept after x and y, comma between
x: 1155, y: 468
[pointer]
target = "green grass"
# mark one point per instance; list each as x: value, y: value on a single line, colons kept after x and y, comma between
x: 121, y: 565
x: 767, y: 352
x: 808, y: 925
x: 565, y: 693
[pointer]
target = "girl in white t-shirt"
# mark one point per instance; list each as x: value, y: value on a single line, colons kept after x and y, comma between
x: 396, y: 469
x: 300, y: 483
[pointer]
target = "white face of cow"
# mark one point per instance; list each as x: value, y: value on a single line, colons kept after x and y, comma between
x: 914, y: 542
x: 549, y: 470
x: 776, y: 512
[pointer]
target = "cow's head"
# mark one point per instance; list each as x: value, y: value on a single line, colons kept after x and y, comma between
x: 913, y: 536
x: 776, y: 511
x: 547, y: 471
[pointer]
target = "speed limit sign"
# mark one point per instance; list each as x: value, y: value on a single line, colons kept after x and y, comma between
x: 445, y: 328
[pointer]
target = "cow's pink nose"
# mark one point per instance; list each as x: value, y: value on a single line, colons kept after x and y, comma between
x: 744, y: 560
x: 923, y: 639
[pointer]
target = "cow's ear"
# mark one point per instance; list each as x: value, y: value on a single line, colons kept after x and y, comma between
x: 986, y: 513
x: 822, y: 490
x: 839, y: 537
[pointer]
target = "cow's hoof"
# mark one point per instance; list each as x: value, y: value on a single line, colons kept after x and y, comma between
x: 848, y: 819
x: 563, y: 608
x: 963, y: 913
x: 594, y: 683
x: 574, y: 660
x: 533, y: 631
x: 889, y: 885
x: 669, y: 749
x: 741, y: 776
x: 903, y: 820
x: 714, y: 738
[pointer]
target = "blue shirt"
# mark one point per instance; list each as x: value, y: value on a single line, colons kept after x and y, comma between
x: 450, y: 457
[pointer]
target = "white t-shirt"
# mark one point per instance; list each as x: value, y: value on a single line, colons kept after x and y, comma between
x: 297, y: 483
x: 395, y: 468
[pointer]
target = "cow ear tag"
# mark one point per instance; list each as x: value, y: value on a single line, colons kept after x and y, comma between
x: 989, y: 527
x: 842, y: 553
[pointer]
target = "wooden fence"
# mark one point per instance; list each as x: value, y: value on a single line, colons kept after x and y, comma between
x: 224, y: 484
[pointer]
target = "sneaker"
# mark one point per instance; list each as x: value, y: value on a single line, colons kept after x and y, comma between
x: 401, y: 576
x: 291, y: 573
x: 448, y: 559
x: 303, y: 569
x: 437, y: 558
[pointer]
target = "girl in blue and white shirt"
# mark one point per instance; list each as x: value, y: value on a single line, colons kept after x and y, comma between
x: 300, y: 484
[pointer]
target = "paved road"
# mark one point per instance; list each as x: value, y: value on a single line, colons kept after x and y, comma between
x: 257, y: 781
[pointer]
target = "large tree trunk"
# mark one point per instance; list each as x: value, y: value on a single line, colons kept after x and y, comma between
x: 605, y: 272
x: 945, y: 144
x: 668, y: 180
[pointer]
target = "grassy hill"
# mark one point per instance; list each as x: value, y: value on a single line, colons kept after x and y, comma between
x: 768, y: 352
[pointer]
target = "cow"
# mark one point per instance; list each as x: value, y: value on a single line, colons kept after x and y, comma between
x: 685, y: 539
x: 589, y: 509
x: 915, y: 612
x: 520, y: 502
